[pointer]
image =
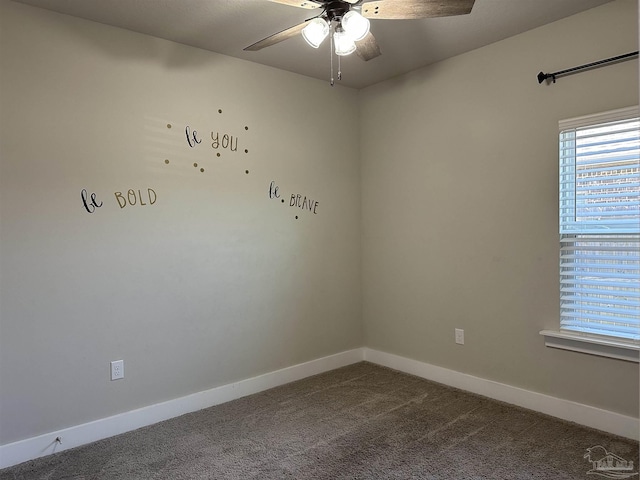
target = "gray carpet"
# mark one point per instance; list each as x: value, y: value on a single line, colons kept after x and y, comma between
x: 357, y: 422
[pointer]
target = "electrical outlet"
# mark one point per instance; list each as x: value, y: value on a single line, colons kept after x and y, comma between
x: 459, y: 336
x: 117, y: 369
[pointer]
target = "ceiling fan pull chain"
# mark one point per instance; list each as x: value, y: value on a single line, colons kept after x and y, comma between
x: 331, y: 56
x: 339, y: 69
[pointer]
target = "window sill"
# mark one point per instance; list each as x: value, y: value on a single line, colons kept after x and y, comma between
x: 575, y: 342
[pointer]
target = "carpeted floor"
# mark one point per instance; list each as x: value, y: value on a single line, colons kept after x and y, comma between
x: 357, y: 422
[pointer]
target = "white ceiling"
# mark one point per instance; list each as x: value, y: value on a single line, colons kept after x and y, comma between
x: 227, y: 26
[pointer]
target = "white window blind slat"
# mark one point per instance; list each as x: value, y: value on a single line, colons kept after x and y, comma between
x: 621, y: 134
x: 600, y: 224
x: 598, y: 168
x: 621, y: 303
x: 598, y: 283
x: 602, y: 329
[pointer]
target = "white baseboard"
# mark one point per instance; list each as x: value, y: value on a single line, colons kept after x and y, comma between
x: 24, y: 450
x: 622, y: 425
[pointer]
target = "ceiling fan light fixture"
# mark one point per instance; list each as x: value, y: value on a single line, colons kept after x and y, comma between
x: 316, y: 32
x: 355, y: 25
x: 343, y: 42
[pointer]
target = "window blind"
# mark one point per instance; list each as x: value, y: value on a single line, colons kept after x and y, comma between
x: 600, y: 224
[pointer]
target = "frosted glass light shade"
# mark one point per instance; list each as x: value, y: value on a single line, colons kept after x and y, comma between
x: 316, y: 32
x: 344, y: 43
x: 355, y: 25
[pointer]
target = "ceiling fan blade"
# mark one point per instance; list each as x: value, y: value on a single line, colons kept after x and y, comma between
x: 409, y: 9
x: 308, y: 4
x: 277, y: 37
x: 368, y: 48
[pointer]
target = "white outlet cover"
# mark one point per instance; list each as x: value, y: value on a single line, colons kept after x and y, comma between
x: 117, y: 369
x: 459, y: 336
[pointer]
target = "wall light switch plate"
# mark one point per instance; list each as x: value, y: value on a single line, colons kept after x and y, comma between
x: 117, y: 369
x: 459, y: 336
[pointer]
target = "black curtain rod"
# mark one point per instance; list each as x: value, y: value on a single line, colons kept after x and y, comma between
x: 620, y: 58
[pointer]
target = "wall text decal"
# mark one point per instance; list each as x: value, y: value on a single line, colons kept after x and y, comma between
x: 304, y: 203
x: 222, y: 141
x: 192, y: 137
x: 90, y: 206
x: 132, y: 198
x: 296, y: 200
x: 226, y: 143
x: 274, y: 191
x: 185, y: 143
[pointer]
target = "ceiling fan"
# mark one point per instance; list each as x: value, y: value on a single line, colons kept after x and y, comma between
x: 350, y: 21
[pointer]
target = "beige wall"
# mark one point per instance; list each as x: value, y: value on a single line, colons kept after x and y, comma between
x: 460, y: 195
x: 212, y: 283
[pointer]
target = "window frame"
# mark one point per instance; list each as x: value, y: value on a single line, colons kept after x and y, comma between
x: 602, y: 345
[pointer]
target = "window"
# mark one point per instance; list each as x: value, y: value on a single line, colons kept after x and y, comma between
x: 600, y: 225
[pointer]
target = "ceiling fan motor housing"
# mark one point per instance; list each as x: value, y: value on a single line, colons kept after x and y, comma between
x: 337, y: 9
